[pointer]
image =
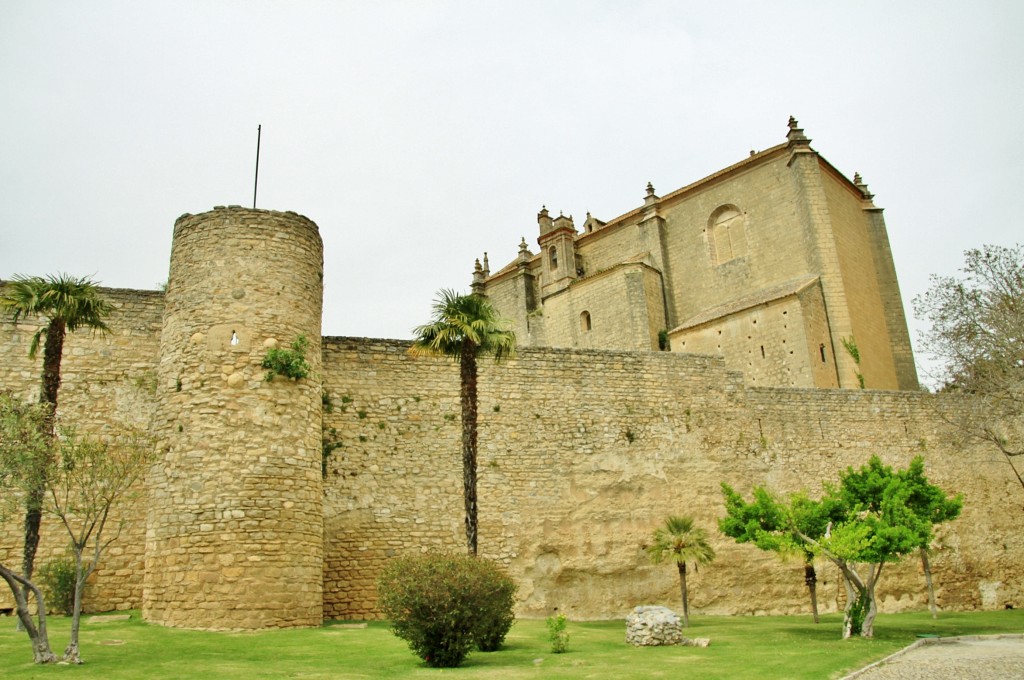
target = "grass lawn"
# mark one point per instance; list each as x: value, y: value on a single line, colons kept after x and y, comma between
x: 741, y: 647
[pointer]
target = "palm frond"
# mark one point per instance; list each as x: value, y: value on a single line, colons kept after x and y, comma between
x: 461, y: 323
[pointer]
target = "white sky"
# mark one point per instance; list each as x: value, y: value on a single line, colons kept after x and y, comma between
x: 418, y: 135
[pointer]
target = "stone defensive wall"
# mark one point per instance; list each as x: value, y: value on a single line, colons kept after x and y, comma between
x: 582, y: 455
x: 109, y: 382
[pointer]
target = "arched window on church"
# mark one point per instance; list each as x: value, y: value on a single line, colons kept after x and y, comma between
x: 727, y: 238
x: 553, y: 257
x: 585, y: 322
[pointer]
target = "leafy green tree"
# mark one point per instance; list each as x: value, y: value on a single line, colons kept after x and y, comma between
x: 85, y: 482
x: 680, y: 541
x: 874, y: 517
x: 752, y: 523
x: 465, y: 327
x: 23, y: 449
x: 977, y: 335
x: 65, y: 304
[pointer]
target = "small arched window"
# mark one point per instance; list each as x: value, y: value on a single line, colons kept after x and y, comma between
x: 553, y: 257
x: 727, y: 236
x: 585, y: 325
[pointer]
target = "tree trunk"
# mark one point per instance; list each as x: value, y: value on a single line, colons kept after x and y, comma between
x: 811, y: 579
x: 682, y: 588
x: 468, y: 397
x: 53, y: 349
x: 859, y: 614
x: 867, y: 628
x: 855, y: 617
x: 71, y: 652
x: 928, y: 579
x: 41, y: 652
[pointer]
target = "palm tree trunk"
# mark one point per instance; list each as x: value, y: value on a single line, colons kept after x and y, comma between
x: 811, y: 579
x: 682, y: 588
x: 468, y: 397
x: 53, y: 350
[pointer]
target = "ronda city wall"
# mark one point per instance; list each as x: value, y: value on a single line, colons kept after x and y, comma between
x: 583, y: 453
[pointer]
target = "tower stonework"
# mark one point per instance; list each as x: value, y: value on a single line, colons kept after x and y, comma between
x: 234, y: 534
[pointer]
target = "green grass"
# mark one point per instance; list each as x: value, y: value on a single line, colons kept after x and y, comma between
x: 741, y: 647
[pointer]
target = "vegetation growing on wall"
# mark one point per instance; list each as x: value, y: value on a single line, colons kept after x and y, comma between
x: 850, y: 345
x: 290, y: 363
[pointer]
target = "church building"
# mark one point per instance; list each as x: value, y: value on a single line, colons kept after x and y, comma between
x: 778, y: 263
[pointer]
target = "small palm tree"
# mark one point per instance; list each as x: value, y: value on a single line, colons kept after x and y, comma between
x: 65, y: 303
x: 680, y: 541
x: 464, y: 327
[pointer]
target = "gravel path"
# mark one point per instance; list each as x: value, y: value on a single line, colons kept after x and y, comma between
x: 975, y: 656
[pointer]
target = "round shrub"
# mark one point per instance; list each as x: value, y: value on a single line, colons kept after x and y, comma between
x: 444, y: 605
x: 57, y: 581
x: 498, y: 593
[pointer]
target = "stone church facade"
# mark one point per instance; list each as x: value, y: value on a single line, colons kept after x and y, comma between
x: 779, y: 263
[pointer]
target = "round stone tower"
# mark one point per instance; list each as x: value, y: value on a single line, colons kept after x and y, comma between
x: 235, y: 525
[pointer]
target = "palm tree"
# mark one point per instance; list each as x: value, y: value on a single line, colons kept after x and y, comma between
x: 65, y: 303
x: 681, y: 542
x: 464, y: 327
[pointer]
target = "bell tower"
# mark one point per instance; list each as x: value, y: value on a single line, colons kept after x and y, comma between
x: 557, y: 241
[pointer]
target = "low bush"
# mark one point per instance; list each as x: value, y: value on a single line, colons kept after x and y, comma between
x: 557, y: 634
x: 57, y: 581
x: 498, y: 592
x: 444, y: 605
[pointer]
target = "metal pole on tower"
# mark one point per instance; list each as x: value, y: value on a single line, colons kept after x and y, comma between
x: 256, y: 182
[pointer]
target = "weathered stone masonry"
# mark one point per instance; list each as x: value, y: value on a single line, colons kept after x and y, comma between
x: 583, y: 453
x: 235, y: 525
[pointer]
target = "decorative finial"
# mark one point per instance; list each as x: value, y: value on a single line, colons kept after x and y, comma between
x: 524, y: 252
x: 651, y: 199
x: 753, y: 153
x: 859, y: 182
x: 487, y: 265
x: 796, y: 136
x: 477, y: 267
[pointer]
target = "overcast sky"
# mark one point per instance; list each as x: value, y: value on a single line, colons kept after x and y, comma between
x: 418, y: 135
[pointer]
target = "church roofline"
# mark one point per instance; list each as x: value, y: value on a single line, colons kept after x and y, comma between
x: 754, y: 159
x: 616, y: 222
x: 761, y: 297
x: 630, y: 262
